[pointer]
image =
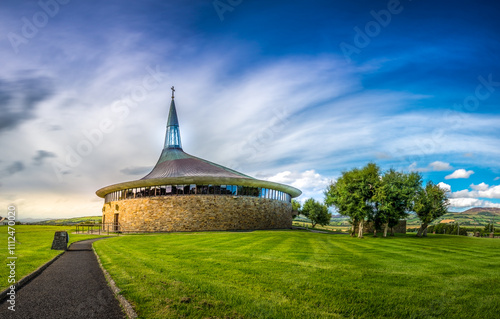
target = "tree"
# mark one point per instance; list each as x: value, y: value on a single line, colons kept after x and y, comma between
x: 352, y: 194
x: 394, y: 198
x: 316, y: 212
x: 295, y: 205
x: 489, y: 228
x: 295, y: 208
x: 430, y: 203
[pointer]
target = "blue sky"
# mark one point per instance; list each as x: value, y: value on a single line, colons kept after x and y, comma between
x: 290, y: 91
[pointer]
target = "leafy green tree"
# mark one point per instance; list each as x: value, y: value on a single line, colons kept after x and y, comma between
x: 295, y: 208
x: 316, y: 212
x: 296, y: 205
x: 394, y: 198
x: 488, y: 228
x: 431, y: 202
x: 352, y: 194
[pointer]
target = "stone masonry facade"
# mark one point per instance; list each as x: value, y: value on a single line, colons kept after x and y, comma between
x: 198, y: 213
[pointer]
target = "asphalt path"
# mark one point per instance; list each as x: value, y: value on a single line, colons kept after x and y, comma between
x: 71, y: 287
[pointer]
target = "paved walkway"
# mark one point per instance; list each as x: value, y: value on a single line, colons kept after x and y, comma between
x: 72, y: 287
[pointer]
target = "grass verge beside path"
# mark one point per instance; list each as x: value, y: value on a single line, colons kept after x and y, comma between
x: 33, y: 243
x: 299, y: 274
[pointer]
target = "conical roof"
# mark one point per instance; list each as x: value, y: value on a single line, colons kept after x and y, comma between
x: 174, y: 162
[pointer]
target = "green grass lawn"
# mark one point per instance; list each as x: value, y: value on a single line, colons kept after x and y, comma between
x: 299, y: 274
x: 32, y: 248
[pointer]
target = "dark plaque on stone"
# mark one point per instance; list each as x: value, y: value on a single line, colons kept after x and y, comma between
x: 60, y: 240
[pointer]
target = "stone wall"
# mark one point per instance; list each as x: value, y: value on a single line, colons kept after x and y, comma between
x: 198, y: 213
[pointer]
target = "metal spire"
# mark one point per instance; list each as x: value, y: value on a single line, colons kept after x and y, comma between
x: 173, y: 137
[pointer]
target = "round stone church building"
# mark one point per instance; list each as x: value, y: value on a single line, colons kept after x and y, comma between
x: 187, y: 193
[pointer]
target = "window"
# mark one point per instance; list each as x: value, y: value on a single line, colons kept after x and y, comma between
x: 255, y: 191
x: 217, y: 189
x: 162, y: 190
x: 180, y: 189
x: 192, y: 189
x: 201, y: 189
x: 223, y: 190
x: 168, y: 190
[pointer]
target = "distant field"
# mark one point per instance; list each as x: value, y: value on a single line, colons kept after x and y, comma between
x: 71, y: 221
x: 319, y: 227
x: 299, y: 274
x: 32, y: 248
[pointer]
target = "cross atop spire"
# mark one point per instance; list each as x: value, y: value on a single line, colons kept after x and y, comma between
x: 173, y: 90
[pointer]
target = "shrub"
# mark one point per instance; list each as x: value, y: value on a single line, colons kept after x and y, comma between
x: 450, y: 229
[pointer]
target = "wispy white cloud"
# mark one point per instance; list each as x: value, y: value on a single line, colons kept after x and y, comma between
x: 459, y: 173
x: 434, y: 166
x: 480, y: 187
x: 440, y: 166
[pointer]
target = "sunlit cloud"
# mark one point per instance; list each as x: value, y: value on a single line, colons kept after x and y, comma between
x: 444, y: 186
x: 434, y: 166
x: 460, y: 173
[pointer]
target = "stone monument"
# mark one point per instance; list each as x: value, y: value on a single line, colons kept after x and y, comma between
x: 60, y: 240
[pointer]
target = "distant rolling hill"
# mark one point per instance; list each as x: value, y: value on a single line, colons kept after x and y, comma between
x: 477, y: 216
x: 70, y: 221
x: 479, y: 210
x: 474, y: 217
